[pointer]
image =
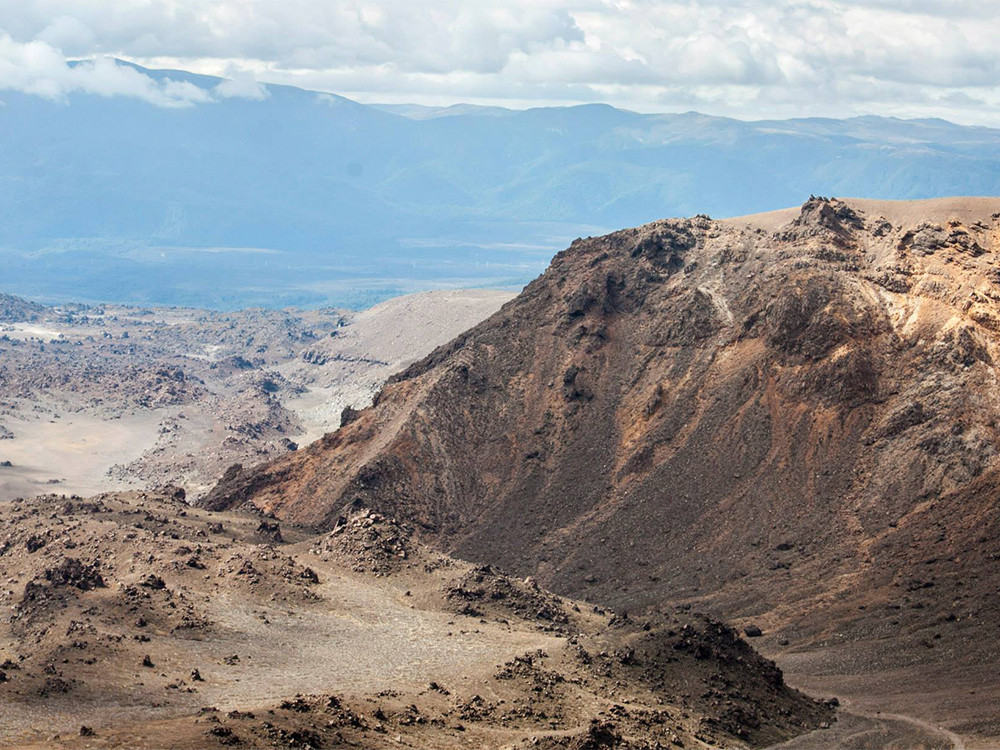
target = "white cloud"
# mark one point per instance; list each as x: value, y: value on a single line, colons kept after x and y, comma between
x: 68, y: 35
x: 240, y: 85
x: 743, y: 57
x: 38, y: 68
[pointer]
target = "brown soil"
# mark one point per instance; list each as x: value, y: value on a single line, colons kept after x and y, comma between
x: 134, y: 620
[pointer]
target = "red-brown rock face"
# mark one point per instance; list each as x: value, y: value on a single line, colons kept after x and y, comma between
x: 785, y: 414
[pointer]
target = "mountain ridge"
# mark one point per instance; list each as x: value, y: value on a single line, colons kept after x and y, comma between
x: 354, y: 204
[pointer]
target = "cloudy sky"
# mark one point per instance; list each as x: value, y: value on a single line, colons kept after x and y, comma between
x: 744, y: 58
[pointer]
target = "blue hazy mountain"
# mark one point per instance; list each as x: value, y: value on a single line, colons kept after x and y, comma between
x: 311, y: 198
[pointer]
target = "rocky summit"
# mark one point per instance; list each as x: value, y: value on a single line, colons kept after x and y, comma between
x: 789, y: 420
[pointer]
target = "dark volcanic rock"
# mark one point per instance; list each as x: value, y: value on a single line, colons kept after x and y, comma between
x: 18, y: 310
x: 368, y: 542
x: 269, y: 532
x: 486, y: 590
x: 348, y: 415
x: 72, y: 572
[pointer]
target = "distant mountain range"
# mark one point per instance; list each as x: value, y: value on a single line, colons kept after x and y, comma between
x: 310, y: 198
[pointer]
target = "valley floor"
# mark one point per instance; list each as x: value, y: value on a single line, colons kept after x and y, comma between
x: 96, y: 398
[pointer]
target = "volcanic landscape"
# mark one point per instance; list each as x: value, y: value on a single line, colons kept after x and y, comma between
x: 702, y: 484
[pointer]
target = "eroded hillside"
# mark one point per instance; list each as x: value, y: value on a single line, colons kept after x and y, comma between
x: 790, y: 419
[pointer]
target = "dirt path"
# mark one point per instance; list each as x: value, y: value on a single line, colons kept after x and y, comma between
x: 856, y: 728
x: 957, y: 743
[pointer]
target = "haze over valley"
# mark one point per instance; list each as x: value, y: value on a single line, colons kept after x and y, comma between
x: 284, y: 196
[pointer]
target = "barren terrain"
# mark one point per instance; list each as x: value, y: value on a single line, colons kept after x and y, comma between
x: 102, y: 397
x: 788, y: 421
x: 133, y: 620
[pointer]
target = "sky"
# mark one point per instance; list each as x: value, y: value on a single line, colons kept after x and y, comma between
x: 749, y: 59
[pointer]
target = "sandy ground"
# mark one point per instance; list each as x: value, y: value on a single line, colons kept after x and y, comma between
x: 72, y: 454
x: 367, y: 640
x: 319, y: 408
x: 24, y: 331
x: 365, y: 613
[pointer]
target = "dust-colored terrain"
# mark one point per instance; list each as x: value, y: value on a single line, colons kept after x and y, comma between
x: 102, y: 397
x: 134, y: 620
x: 788, y: 420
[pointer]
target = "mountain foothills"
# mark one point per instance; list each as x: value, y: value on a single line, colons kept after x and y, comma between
x: 789, y: 420
x: 294, y: 197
